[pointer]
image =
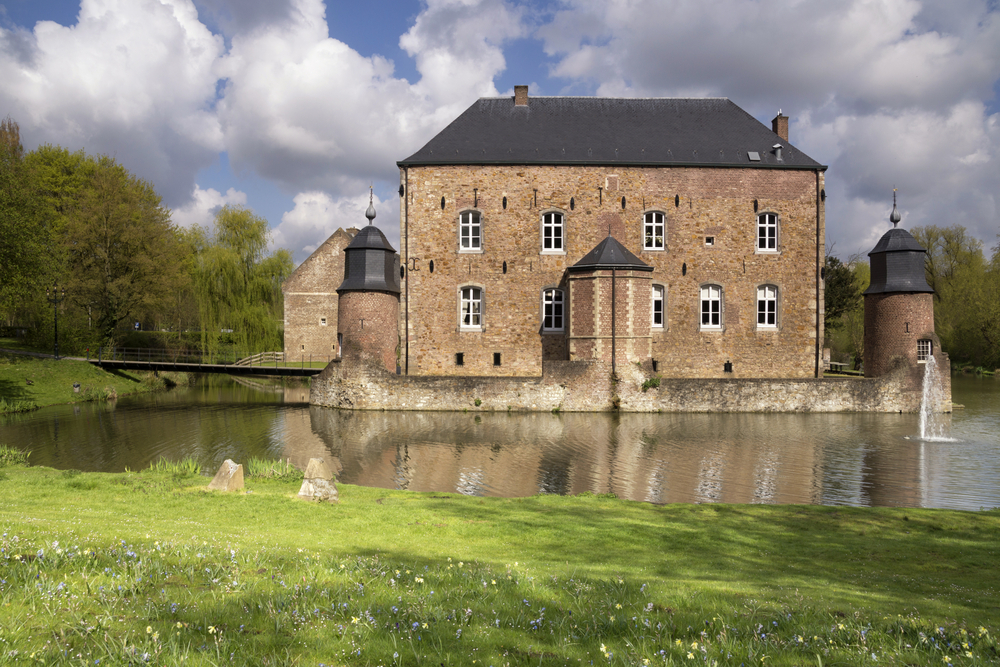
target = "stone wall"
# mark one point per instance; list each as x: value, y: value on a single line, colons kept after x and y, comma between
x: 586, y: 386
x: 311, y: 300
x: 512, y: 270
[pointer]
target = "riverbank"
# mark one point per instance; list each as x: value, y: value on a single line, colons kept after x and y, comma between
x: 30, y: 382
x: 122, y: 568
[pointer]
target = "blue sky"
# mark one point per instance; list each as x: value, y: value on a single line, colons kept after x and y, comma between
x: 293, y: 107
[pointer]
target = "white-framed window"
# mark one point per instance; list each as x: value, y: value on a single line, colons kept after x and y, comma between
x: 553, y: 310
x: 659, y: 307
x: 767, y: 232
x: 767, y: 307
x: 553, y: 232
x: 925, y: 348
x: 470, y: 232
x: 470, y: 307
x: 322, y: 321
x: 711, y: 307
x: 654, y: 231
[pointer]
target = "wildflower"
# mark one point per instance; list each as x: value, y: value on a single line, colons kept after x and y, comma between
x: 690, y: 655
x: 493, y: 581
x: 677, y: 641
x: 424, y: 626
x: 211, y: 629
x: 149, y: 629
x: 618, y: 606
x: 694, y: 646
x: 179, y: 625
x: 968, y: 654
x: 156, y: 636
x: 946, y: 660
x: 419, y: 580
x: 354, y: 620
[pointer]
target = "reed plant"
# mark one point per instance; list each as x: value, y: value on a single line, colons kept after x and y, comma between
x: 129, y: 569
x: 10, y: 456
x: 16, y: 405
x: 272, y: 469
x: 186, y: 467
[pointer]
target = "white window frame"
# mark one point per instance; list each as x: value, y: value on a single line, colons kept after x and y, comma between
x: 551, y: 304
x: 767, y: 306
x: 468, y: 222
x: 658, y: 294
x: 470, y: 308
x: 653, y: 221
x: 768, y: 232
x: 553, y: 222
x: 925, y: 349
x: 711, y: 294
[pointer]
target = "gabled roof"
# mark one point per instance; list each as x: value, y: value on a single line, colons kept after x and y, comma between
x: 333, y: 245
x: 608, y: 131
x: 610, y: 254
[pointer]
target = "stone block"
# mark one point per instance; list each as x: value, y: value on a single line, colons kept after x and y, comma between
x: 319, y: 483
x: 229, y: 477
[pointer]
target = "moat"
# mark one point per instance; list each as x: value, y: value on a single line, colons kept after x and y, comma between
x: 829, y: 459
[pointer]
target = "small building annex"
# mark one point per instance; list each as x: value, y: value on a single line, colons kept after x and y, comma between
x: 678, y: 234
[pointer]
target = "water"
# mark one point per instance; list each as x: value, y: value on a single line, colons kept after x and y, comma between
x: 840, y: 459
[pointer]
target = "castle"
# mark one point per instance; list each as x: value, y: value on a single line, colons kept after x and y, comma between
x: 577, y: 248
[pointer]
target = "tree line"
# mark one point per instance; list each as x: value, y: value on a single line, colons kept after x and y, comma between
x: 85, y: 224
x: 966, y: 283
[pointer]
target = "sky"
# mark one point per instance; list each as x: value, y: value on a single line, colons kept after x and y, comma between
x: 295, y: 107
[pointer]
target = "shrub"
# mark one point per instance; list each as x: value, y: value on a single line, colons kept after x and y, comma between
x: 651, y: 383
x: 10, y: 456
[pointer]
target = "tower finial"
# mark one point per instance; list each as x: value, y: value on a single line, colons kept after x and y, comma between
x: 894, y: 217
x: 370, y: 213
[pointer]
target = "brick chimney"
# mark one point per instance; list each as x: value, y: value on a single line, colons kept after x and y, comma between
x: 521, y: 96
x: 780, y: 125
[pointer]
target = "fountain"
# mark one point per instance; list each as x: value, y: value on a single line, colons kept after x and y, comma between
x: 932, y: 421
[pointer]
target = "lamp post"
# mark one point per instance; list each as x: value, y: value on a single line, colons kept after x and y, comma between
x: 55, y: 298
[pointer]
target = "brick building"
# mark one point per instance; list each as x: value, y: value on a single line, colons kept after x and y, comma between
x: 311, y: 300
x: 678, y: 234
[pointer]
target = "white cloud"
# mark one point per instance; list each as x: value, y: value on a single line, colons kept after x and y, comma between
x: 133, y: 79
x: 204, y: 205
x: 310, y: 112
x: 317, y: 215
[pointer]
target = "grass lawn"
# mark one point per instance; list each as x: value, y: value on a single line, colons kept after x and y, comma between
x: 30, y: 382
x: 149, y: 567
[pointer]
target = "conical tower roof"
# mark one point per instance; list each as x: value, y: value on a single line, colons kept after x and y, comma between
x: 610, y: 254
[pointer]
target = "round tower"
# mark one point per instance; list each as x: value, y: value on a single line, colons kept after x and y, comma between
x: 368, y: 304
x: 899, y: 304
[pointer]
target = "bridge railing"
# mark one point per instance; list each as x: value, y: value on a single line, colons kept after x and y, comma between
x: 273, y: 359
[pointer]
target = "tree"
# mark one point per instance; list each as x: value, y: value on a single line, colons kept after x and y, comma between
x: 21, y: 240
x: 122, y: 248
x: 238, y: 285
x: 841, y: 292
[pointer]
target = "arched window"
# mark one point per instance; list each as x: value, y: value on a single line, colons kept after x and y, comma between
x: 711, y: 307
x: 552, y: 310
x: 654, y: 231
x: 767, y: 232
x: 470, y: 311
x: 767, y: 307
x: 470, y: 232
x: 553, y: 232
x: 659, y: 307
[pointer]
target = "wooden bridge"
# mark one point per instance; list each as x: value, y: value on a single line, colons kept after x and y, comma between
x: 263, y: 363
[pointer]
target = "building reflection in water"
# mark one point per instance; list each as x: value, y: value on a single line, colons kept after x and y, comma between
x: 655, y: 457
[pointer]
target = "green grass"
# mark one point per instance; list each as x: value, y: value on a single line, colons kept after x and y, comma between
x: 268, y: 469
x: 125, y: 568
x: 51, y: 382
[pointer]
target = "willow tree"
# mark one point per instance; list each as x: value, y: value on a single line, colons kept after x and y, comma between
x: 238, y: 284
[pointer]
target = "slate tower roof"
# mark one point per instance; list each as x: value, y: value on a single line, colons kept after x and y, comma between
x: 592, y: 130
x: 370, y: 263
x: 610, y: 254
x: 897, y: 261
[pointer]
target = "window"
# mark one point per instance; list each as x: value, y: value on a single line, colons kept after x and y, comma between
x: 496, y: 358
x: 471, y: 313
x: 767, y: 232
x: 711, y: 307
x: 322, y: 321
x: 460, y: 358
x: 552, y: 310
x: 470, y: 232
x: 925, y: 348
x: 552, y: 233
x: 657, y: 320
x: 653, y: 231
x: 767, y: 307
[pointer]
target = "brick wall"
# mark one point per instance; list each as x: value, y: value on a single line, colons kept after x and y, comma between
x: 310, y: 297
x: 697, y: 203
x: 591, y: 299
x: 893, y: 325
x: 368, y: 326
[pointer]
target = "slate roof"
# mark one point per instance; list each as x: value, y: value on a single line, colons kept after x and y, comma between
x: 895, y: 240
x: 897, y: 264
x: 610, y: 254
x: 593, y: 130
